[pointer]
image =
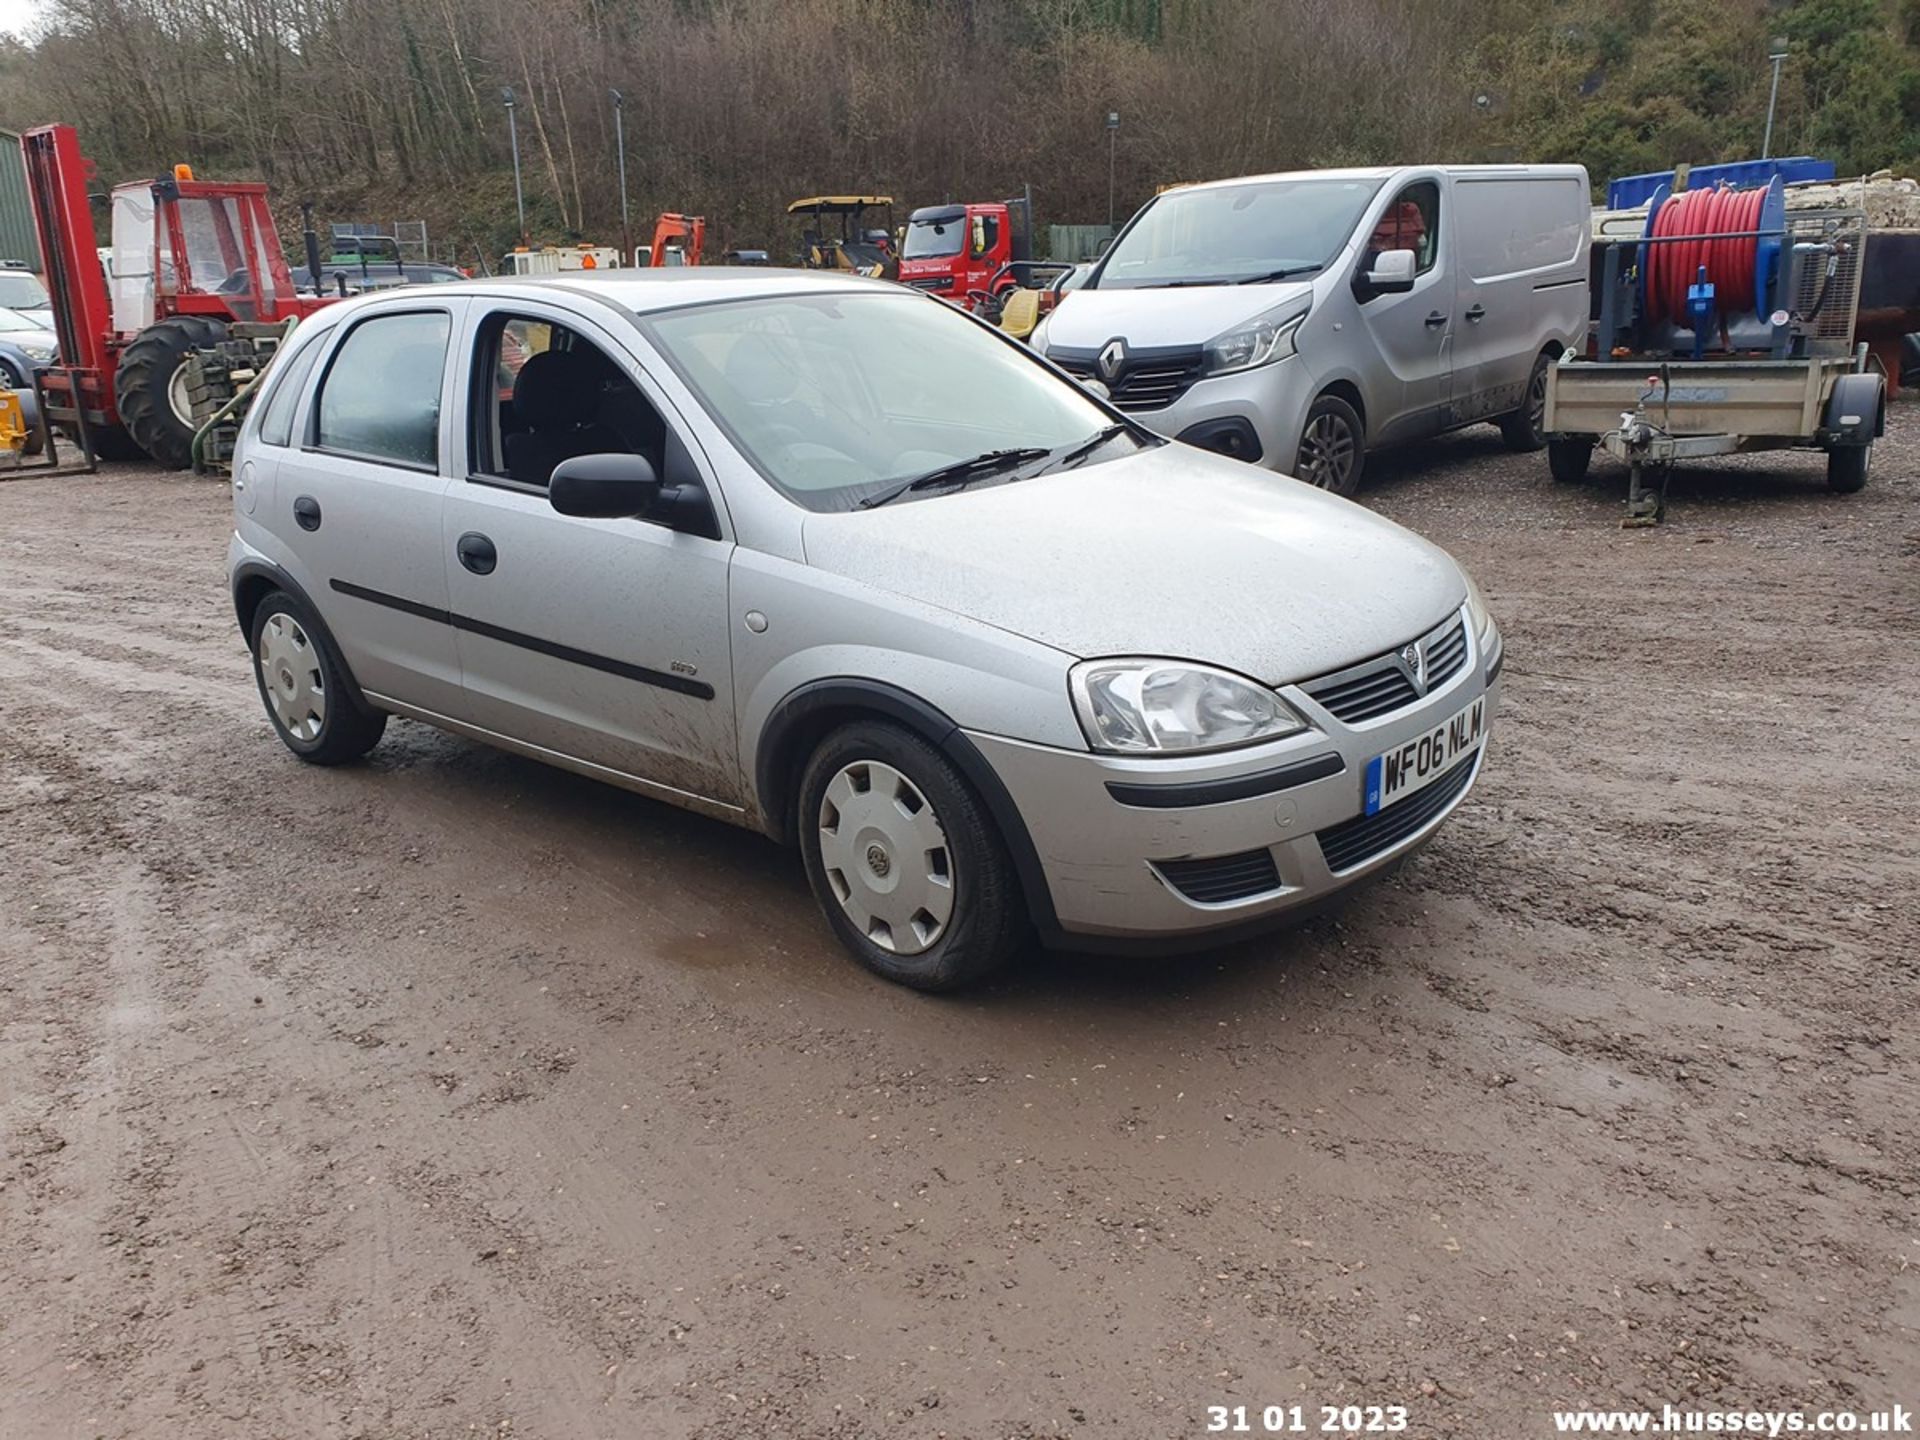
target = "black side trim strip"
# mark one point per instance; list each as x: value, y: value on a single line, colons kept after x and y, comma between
x: 699, y: 689
x: 1220, y: 792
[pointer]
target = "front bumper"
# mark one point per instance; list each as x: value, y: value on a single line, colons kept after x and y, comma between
x: 1272, y: 399
x: 1132, y: 870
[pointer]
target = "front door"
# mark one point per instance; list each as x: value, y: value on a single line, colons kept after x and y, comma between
x: 601, y: 640
x: 1412, y: 332
x: 363, y: 489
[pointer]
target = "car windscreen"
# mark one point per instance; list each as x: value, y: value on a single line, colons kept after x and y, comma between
x: 932, y: 239
x: 1231, y: 234
x: 22, y: 290
x: 843, y: 396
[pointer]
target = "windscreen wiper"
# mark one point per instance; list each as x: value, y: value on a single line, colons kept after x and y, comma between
x: 1086, y: 447
x: 960, y: 473
x: 1284, y: 273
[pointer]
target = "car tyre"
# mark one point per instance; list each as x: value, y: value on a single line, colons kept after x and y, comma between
x: 1847, y: 467
x: 1525, y: 430
x: 1333, y: 447
x: 303, y: 685
x: 905, y: 861
x: 1568, y: 458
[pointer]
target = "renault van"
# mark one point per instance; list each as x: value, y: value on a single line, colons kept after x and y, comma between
x: 1300, y: 320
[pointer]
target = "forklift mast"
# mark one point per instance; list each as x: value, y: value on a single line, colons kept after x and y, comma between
x: 57, y: 179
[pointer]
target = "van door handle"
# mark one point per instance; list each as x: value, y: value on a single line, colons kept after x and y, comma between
x: 1478, y: 312
x: 476, y: 552
x: 1436, y: 320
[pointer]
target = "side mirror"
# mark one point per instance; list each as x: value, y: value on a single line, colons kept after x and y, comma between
x: 1096, y: 388
x: 603, y: 487
x: 1392, y: 273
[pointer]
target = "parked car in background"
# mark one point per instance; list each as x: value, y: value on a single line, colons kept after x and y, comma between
x: 828, y: 558
x: 1298, y: 321
x: 22, y: 291
x: 25, y: 346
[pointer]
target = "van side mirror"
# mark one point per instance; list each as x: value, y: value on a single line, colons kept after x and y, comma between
x: 1392, y: 272
x: 603, y: 487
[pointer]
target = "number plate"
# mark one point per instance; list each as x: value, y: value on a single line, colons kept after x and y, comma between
x: 1425, y: 758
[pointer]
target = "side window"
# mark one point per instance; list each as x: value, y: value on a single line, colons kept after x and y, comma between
x: 986, y: 234
x: 381, y: 395
x: 542, y: 394
x: 1410, y: 222
x: 276, y: 421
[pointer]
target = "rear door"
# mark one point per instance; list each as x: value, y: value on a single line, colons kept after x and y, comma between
x: 1411, y: 334
x: 358, y: 501
x: 601, y: 640
x: 1521, y: 258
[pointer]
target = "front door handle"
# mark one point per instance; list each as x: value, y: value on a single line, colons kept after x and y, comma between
x: 1436, y: 320
x: 476, y: 552
x: 1478, y: 312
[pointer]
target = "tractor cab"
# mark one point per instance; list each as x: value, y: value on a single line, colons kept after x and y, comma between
x: 858, y: 248
x: 187, y: 247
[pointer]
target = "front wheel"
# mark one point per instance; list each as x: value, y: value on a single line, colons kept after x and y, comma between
x: 905, y: 861
x: 152, y: 388
x: 302, y: 683
x: 1847, y: 468
x: 1332, y: 447
x: 1525, y: 429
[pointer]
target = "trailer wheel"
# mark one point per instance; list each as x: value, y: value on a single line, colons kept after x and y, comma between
x: 150, y: 386
x: 1568, y: 457
x: 1847, y: 468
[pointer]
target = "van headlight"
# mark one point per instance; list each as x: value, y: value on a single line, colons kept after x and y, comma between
x: 1145, y: 707
x: 1260, y: 341
x: 1037, y: 337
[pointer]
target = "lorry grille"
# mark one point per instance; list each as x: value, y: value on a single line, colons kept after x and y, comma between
x: 1354, y: 842
x: 1223, y: 877
x: 1385, y: 684
x: 1150, y: 384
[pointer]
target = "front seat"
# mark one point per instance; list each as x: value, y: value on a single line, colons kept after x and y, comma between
x: 557, y: 397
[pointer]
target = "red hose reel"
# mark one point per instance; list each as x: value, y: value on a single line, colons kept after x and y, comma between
x: 1734, y: 234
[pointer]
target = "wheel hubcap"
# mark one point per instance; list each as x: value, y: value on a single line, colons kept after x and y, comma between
x: 1326, y: 452
x: 885, y: 855
x: 290, y: 674
x: 178, y: 398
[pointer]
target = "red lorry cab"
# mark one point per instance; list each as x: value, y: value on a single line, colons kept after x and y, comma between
x: 956, y: 251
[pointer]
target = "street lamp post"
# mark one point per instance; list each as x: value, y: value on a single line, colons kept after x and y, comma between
x: 620, y: 145
x: 1113, y: 136
x: 1776, y: 52
x: 513, y: 134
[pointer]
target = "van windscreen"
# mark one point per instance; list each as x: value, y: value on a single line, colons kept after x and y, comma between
x: 1232, y: 234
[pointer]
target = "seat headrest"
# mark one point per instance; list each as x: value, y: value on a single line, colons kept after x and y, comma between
x: 557, y: 387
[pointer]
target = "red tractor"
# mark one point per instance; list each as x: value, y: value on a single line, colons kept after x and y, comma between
x: 195, y: 267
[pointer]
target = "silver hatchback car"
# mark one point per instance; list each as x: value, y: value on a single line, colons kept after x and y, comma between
x: 831, y: 559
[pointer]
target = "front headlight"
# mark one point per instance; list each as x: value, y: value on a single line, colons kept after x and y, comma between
x: 1037, y: 337
x: 1484, y: 628
x: 37, y: 352
x: 1145, y: 707
x: 1260, y: 341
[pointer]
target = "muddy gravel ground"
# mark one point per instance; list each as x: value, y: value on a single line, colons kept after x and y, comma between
x: 448, y: 1094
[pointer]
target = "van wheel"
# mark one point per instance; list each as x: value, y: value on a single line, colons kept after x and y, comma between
x: 302, y: 684
x: 905, y: 861
x: 1332, y: 447
x: 1847, y: 468
x: 1526, y: 428
x: 1568, y: 458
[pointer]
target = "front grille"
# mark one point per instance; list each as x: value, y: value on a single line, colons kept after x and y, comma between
x: 1354, y: 842
x: 1224, y: 877
x: 1153, y: 385
x: 933, y: 282
x: 1385, y: 684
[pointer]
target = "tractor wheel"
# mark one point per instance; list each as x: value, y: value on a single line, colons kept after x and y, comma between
x: 110, y: 442
x: 150, y: 386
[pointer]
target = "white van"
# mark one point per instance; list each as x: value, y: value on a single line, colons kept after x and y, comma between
x: 1301, y: 320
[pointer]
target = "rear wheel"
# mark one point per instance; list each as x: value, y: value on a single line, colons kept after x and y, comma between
x: 905, y: 861
x: 151, y: 386
x: 1526, y: 428
x: 1568, y: 458
x: 1847, y: 468
x: 1332, y: 447
x: 110, y: 442
x: 303, y: 684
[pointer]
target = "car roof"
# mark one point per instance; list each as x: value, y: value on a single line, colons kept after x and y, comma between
x: 668, y: 287
x: 1381, y: 172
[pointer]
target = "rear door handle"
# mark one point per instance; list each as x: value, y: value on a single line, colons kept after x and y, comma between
x: 476, y: 552
x: 1436, y: 320
x: 1478, y: 312
x: 306, y: 512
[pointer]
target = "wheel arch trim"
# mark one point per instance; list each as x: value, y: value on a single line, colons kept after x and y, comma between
x: 252, y: 578
x: 775, y: 769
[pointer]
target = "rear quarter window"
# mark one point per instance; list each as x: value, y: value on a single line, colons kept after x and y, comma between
x: 276, y: 421
x: 1515, y: 226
